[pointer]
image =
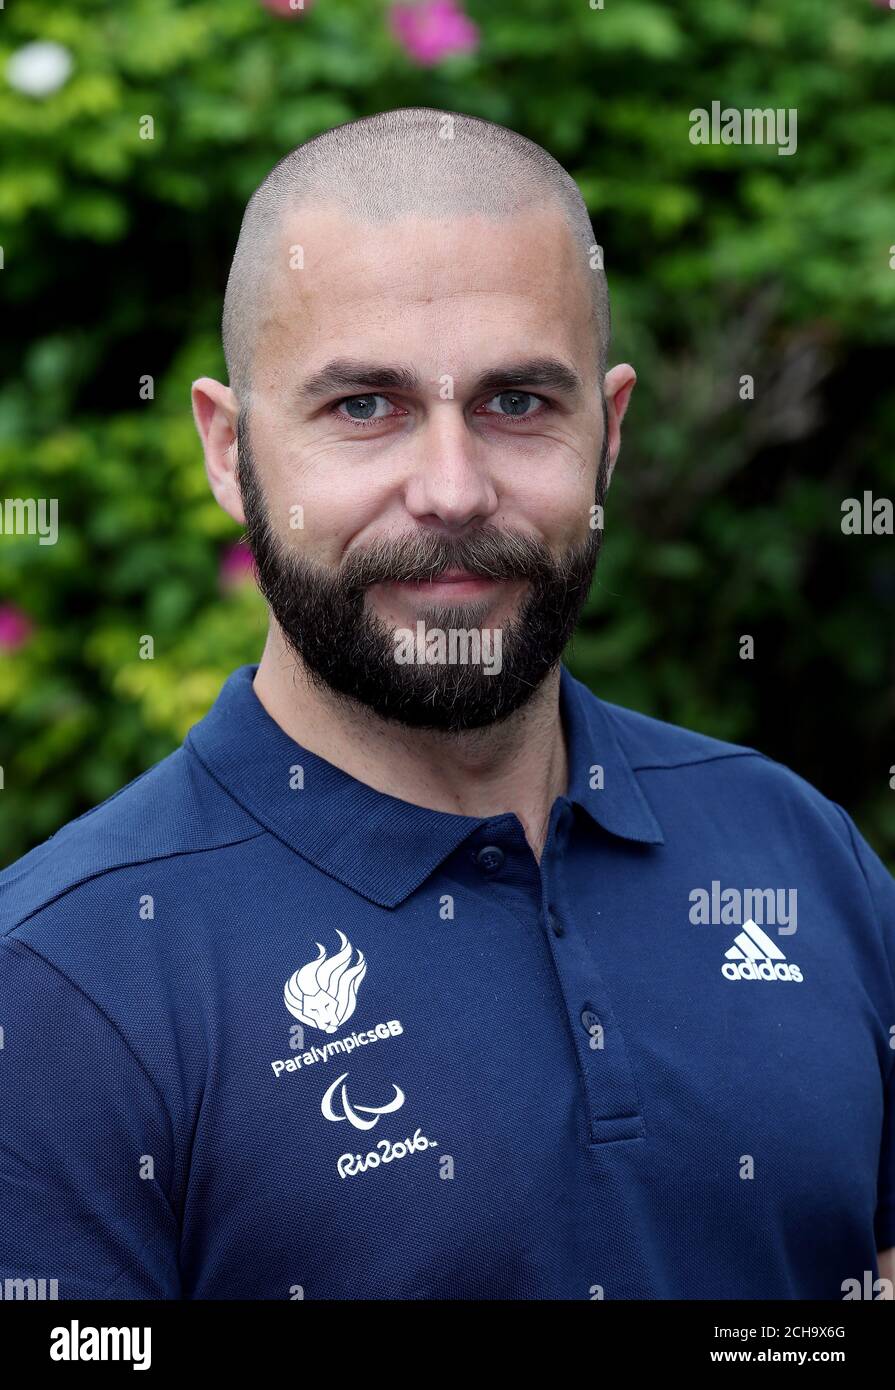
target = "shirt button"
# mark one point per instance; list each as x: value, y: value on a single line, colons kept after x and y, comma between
x: 556, y: 925
x: 590, y: 1020
x: 490, y: 859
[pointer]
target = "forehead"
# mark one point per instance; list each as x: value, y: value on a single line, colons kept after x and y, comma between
x: 432, y: 287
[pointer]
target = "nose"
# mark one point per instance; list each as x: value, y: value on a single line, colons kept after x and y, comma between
x: 450, y: 482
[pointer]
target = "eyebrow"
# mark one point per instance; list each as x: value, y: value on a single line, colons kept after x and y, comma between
x: 349, y: 375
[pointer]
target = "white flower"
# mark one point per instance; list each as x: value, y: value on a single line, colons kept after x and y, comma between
x: 39, y: 68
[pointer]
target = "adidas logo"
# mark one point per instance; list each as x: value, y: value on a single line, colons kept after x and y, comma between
x: 754, y: 956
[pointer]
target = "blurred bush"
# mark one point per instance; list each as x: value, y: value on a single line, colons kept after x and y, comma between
x: 724, y: 517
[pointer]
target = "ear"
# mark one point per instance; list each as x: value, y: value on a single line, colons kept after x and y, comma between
x: 617, y: 388
x: 215, y: 409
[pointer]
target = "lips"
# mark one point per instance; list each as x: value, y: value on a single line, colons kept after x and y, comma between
x: 454, y: 577
x: 450, y: 579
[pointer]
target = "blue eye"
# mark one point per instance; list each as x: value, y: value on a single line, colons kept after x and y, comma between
x: 370, y: 408
x: 362, y: 408
x: 514, y: 404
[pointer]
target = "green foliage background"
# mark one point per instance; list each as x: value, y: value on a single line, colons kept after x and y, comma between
x: 724, y: 517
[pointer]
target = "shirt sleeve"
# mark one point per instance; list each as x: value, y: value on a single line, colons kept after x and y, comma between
x: 86, y: 1147
x: 881, y: 886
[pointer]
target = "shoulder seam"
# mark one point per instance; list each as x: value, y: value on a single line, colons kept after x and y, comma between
x: 113, y: 796
x: 696, y: 762
x: 126, y: 864
x: 729, y: 750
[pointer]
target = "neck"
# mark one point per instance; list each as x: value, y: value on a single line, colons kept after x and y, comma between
x: 519, y: 765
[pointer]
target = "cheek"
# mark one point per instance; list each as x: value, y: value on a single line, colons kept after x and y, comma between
x: 338, y: 507
x: 559, y: 507
x: 552, y: 477
x: 315, y: 502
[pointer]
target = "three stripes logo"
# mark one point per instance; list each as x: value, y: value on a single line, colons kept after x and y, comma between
x: 754, y: 956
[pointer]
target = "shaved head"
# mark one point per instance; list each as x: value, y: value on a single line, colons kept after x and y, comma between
x: 416, y: 161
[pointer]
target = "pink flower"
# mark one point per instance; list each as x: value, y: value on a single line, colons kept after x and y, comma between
x: 433, y: 29
x: 287, y: 10
x: 15, y: 627
x: 236, y: 565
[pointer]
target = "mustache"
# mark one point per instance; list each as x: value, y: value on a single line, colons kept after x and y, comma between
x: 487, y: 553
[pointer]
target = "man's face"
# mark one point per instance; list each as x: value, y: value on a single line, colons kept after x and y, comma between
x: 435, y: 496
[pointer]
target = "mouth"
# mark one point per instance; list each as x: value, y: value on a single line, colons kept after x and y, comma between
x: 447, y: 584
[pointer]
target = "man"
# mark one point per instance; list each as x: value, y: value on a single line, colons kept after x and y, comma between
x: 419, y: 972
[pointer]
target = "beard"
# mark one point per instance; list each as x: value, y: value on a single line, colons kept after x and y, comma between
x: 350, y: 652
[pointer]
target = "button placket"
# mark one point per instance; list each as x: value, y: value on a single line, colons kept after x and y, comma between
x: 610, y: 1093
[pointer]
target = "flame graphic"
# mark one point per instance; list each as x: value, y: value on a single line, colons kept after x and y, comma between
x: 323, y: 993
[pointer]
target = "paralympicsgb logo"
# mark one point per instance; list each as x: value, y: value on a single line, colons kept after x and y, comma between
x: 323, y: 993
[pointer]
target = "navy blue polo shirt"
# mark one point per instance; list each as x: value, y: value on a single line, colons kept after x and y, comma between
x: 271, y: 1034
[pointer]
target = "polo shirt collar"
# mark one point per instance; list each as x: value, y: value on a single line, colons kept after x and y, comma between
x: 619, y: 804
x: 376, y: 844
